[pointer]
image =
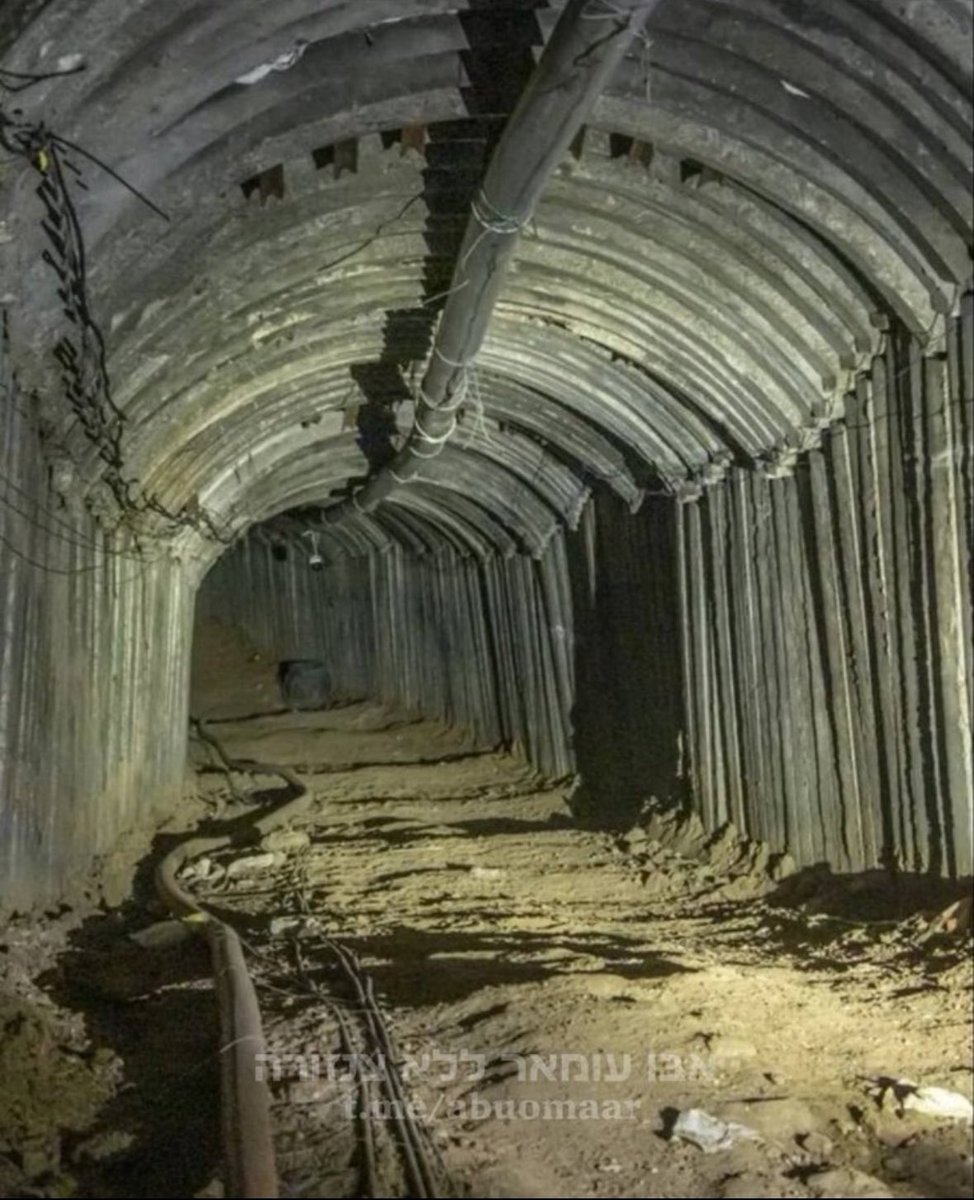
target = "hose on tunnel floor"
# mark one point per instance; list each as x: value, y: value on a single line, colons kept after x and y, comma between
x: 247, y: 1142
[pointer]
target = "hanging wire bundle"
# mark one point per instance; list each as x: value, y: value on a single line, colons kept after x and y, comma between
x: 80, y: 352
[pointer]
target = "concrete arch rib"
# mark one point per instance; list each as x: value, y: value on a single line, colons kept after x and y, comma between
x: 760, y: 187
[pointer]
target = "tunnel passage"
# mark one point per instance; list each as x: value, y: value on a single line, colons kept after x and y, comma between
x: 703, y: 533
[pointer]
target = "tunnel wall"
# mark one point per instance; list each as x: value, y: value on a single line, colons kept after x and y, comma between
x: 628, y: 715
x: 827, y: 629
x: 572, y: 658
x: 790, y: 651
x: 485, y: 644
x: 93, y: 678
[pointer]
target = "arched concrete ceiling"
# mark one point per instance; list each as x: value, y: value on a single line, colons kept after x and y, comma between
x: 761, y: 186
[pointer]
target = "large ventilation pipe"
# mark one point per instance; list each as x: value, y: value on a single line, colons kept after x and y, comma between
x: 584, y: 50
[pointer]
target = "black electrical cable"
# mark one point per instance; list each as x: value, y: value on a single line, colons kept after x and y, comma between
x: 83, y: 570
x: 27, y: 79
x: 93, y: 403
x: 78, y: 541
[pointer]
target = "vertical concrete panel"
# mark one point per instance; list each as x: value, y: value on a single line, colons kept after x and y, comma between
x: 838, y: 601
x: 479, y: 644
x: 951, y: 653
x: 744, y: 602
x: 706, y: 779
x: 726, y: 657
x: 92, y: 736
x: 765, y: 816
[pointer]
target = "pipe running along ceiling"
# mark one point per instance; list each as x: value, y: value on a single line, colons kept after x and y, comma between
x: 762, y: 185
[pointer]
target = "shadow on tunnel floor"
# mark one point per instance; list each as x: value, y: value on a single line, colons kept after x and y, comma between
x: 382, y: 829
x: 418, y: 967
x: 831, y: 923
x: 155, y: 1009
x: 875, y: 895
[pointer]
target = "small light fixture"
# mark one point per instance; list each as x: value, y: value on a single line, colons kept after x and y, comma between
x: 315, y: 561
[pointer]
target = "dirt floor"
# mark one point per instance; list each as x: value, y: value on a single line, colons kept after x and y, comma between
x: 568, y: 1005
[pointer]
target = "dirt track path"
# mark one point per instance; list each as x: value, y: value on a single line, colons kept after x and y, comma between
x: 560, y: 994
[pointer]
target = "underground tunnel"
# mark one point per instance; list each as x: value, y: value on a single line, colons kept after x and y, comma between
x: 485, y: 598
